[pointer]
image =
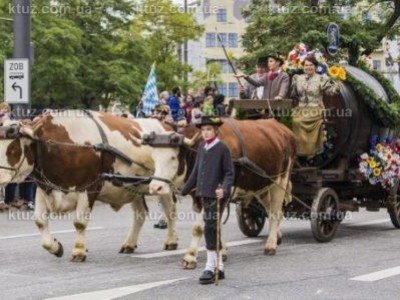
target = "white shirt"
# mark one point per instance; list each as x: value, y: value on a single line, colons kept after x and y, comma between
x: 209, y: 146
x: 260, y: 89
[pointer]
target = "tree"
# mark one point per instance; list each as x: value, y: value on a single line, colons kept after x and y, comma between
x: 279, y: 28
x: 166, y: 27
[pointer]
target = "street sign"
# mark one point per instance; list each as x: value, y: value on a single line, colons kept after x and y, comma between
x: 333, y: 33
x: 16, y: 81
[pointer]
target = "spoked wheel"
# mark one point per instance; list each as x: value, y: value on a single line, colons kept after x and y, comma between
x: 251, y: 219
x: 394, y: 205
x: 325, y: 215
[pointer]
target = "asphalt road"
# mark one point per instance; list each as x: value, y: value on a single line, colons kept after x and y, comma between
x: 345, y: 268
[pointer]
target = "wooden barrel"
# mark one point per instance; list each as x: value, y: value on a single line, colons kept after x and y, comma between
x: 351, y: 123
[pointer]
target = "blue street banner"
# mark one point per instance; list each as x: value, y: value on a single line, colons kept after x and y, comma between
x: 333, y: 32
x: 150, y: 95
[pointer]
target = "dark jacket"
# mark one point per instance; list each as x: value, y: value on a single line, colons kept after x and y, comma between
x: 212, y: 168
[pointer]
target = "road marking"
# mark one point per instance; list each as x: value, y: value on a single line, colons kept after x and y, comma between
x: 183, y: 251
x: 366, y: 223
x: 116, y: 292
x: 8, y: 237
x: 378, y: 275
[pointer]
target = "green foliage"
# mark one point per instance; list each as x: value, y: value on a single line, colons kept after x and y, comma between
x: 271, y: 29
x: 93, y: 52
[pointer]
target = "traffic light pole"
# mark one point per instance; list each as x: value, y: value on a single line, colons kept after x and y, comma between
x: 22, y: 46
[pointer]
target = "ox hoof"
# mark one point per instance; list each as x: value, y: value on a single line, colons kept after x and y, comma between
x: 171, y: 247
x: 279, y: 241
x: 224, y: 257
x: 269, y: 251
x: 189, y: 265
x: 127, y: 249
x: 60, y: 251
x: 78, y: 258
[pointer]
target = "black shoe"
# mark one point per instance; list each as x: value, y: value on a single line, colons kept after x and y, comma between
x: 162, y: 224
x: 156, y: 225
x: 221, y: 275
x: 207, y: 277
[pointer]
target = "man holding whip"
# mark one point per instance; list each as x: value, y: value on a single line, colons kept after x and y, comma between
x: 213, y: 177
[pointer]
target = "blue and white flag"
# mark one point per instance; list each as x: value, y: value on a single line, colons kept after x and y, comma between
x: 150, y: 95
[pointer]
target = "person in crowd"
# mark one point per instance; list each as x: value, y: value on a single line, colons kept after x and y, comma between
x: 175, y: 103
x: 189, y: 105
x: 208, y: 108
x: 164, y: 97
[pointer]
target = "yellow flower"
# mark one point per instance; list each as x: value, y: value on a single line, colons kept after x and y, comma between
x: 379, y: 147
x: 372, y: 164
x: 333, y: 71
x: 377, y: 172
x: 342, y: 74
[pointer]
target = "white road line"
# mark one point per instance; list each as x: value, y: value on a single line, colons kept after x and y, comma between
x: 378, y: 275
x: 183, y: 251
x: 116, y: 292
x: 8, y: 237
x: 366, y: 223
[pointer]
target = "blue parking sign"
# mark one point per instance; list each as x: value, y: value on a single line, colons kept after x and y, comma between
x: 333, y: 33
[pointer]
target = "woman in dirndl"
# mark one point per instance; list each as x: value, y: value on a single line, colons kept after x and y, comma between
x: 309, y: 89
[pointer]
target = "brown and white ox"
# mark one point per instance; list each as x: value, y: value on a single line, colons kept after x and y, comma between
x: 57, y: 148
x: 267, y: 143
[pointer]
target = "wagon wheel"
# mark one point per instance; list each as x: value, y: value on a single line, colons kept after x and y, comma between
x: 394, y: 205
x: 251, y: 219
x: 324, y: 215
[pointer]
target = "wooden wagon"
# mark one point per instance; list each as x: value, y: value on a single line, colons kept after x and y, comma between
x: 330, y: 185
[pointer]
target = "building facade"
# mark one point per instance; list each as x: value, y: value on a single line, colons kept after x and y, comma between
x: 223, y: 18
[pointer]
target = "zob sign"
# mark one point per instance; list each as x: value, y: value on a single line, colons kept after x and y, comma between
x: 16, y: 81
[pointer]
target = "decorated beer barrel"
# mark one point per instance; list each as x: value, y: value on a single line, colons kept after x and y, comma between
x: 350, y: 121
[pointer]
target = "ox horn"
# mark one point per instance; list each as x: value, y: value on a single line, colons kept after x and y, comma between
x: 190, y: 142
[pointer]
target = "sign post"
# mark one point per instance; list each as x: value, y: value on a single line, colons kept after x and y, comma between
x: 333, y: 32
x: 23, y: 51
x: 16, y: 81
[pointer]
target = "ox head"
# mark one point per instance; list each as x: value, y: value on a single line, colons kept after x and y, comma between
x: 169, y: 161
x: 16, y: 155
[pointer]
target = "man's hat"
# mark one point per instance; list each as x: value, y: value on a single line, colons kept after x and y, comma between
x: 277, y: 57
x: 208, y: 120
x: 262, y: 61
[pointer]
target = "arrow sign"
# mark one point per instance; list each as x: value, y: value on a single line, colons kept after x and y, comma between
x: 16, y: 81
x: 15, y: 87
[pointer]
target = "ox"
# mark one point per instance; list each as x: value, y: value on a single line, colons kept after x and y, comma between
x: 67, y: 151
x: 267, y: 143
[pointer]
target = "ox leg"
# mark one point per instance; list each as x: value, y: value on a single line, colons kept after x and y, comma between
x: 82, y: 216
x: 41, y: 216
x: 139, y: 216
x: 190, y: 259
x: 275, y: 215
x: 171, y: 242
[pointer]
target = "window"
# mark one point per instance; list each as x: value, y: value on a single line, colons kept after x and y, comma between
x: 233, y: 40
x: 222, y: 89
x: 377, y: 65
x: 224, y: 64
x: 221, y: 15
x: 233, y: 89
x: 210, y: 40
x: 223, y: 37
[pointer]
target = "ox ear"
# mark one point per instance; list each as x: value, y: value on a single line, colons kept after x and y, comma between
x: 191, y: 142
x: 27, y: 130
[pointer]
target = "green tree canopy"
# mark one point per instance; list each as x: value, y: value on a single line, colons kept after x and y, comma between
x: 279, y: 28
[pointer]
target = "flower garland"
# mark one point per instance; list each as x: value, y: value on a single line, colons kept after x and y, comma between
x: 382, y: 164
x: 296, y: 58
x: 387, y: 114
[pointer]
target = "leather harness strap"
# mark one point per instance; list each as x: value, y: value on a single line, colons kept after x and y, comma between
x: 105, y: 146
